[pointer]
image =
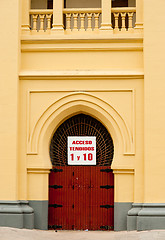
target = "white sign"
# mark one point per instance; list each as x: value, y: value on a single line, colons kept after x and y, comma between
x: 81, y: 150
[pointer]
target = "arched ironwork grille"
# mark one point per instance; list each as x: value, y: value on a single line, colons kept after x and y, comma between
x: 81, y: 125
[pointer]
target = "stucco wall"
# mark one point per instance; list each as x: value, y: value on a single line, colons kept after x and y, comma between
x: 9, y: 65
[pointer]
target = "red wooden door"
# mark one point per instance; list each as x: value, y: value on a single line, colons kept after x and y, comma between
x: 81, y: 197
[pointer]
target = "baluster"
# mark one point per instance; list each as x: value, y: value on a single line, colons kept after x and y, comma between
x: 82, y: 18
x: 130, y: 17
x: 68, y: 21
x: 89, y: 15
x: 123, y: 15
x: 35, y: 16
x: 96, y: 17
x: 42, y: 16
x: 75, y: 17
x: 48, y: 17
x: 116, y: 16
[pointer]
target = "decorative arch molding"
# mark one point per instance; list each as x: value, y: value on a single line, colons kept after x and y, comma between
x: 75, y: 103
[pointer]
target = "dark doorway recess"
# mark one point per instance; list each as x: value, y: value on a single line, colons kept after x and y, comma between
x: 119, y: 3
x: 81, y: 125
x: 50, y: 4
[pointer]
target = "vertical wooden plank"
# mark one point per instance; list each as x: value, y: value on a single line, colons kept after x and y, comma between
x: 82, y: 197
x: 57, y: 195
x: 71, y: 192
x: 76, y: 210
x: 50, y: 210
x: 88, y: 197
x: 109, y: 199
x: 110, y: 182
x: 104, y: 200
x: 100, y: 197
x: 94, y: 199
x: 68, y: 211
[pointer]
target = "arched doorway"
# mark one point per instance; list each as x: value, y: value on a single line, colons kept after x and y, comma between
x: 81, y: 196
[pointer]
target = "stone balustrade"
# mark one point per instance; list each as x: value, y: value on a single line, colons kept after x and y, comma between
x: 123, y: 18
x: 41, y: 20
x: 83, y: 19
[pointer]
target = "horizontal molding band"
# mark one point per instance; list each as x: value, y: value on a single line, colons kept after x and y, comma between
x: 36, y: 170
x: 123, y: 171
x: 77, y: 43
x: 78, y: 49
x: 46, y: 75
x: 84, y: 37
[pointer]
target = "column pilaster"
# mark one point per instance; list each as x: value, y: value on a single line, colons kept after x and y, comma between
x: 139, y: 15
x: 25, y: 26
x: 58, y: 16
x: 106, y: 15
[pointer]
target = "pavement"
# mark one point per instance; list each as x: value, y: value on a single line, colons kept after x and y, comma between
x: 25, y: 234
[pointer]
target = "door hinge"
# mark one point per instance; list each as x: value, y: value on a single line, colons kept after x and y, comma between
x: 107, y: 186
x: 107, y: 227
x: 55, y: 205
x: 106, y: 170
x: 73, y: 206
x: 54, y: 226
x: 56, y: 170
x: 107, y: 206
x: 55, y: 186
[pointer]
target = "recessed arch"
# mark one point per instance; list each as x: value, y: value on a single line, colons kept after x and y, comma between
x: 70, y: 105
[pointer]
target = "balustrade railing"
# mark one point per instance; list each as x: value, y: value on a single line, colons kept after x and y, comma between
x: 41, y: 20
x: 123, y: 18
x: 83, y: 19
x: 77, y: 19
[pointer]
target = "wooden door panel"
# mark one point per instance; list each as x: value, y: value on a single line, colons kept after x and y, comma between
x: 101, y: 204
x: 62, y: 197
x: 86, y: 198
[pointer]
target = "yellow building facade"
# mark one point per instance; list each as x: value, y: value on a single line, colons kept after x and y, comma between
x: 100, y: 58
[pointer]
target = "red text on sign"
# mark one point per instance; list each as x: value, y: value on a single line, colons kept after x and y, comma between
x: 86, y: 157
x: 82, y: 142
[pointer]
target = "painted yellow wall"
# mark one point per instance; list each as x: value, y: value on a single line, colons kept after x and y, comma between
x: 9, y: 67
x: 124, y: 186
x: 101, y: 75
x: 61, y: 74
x: 37, y: 185
x: 154, y: 103
x: 110, y: 60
